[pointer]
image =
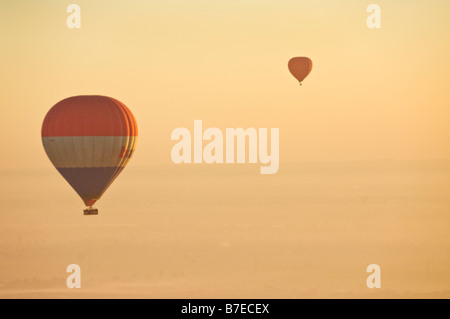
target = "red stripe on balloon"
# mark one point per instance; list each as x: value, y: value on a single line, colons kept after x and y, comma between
x: 89, y: 115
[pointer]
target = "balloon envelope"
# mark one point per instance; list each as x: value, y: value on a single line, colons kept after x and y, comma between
x: 300, y: 67
x: 89, y: 139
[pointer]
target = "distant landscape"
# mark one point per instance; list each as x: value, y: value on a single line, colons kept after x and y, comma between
x: 222, y: 231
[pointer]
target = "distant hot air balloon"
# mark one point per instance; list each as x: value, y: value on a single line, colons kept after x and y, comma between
x: 89, y: 139
x: 300, y: 67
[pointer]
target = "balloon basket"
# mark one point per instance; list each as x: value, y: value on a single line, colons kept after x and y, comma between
x: 91, y: 211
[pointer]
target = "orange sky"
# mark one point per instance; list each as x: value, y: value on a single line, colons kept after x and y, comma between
x: 219, y: 231
x: 372, y: 93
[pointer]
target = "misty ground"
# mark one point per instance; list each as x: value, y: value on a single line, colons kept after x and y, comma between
x: 225, y: 231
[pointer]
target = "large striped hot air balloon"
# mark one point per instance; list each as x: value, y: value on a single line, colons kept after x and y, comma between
x: 89, y: 139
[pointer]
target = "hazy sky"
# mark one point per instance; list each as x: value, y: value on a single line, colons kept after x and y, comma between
x: 372, y: 93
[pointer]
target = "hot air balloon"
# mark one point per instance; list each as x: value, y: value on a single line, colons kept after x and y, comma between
x: 300, y: 67
x: 89, y: 139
